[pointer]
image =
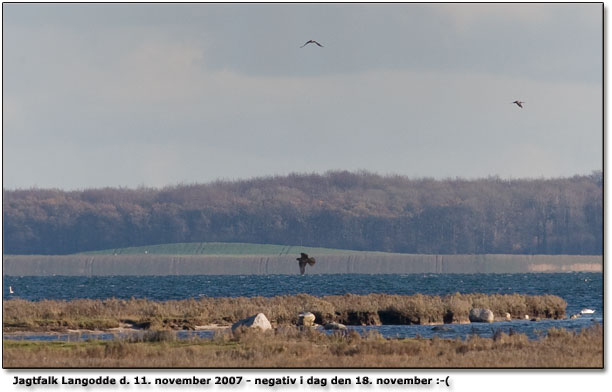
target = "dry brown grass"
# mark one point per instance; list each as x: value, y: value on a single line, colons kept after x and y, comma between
x: 350, y: 309
x: 288, y: 346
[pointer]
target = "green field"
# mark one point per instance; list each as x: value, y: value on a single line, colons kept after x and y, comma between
x: 218, y: 258
x: 221, y: 248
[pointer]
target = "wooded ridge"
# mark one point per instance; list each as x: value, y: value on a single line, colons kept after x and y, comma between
x: 338, y: 209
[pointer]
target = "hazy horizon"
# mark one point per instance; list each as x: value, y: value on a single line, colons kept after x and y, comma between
x: 156, y: 95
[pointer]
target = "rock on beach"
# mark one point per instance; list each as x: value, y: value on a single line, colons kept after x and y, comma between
x: 256, y: 321
x: 306, y: 319
x: 481, y: 315
x: 334, y: 325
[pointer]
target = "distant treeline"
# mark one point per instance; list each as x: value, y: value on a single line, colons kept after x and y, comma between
x: 360, y: 211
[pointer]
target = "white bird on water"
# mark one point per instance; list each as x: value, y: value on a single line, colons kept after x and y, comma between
x: 587, y: 311
x: 11, y: 290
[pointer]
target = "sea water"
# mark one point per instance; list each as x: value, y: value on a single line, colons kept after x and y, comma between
x: 580, y: 290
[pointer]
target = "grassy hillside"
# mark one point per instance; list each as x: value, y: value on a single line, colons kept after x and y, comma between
x: 221, y: 248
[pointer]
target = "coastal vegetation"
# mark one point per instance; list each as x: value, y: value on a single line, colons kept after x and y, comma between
x: 349, y: 309
x: 286, y: 345
x: 290, y: 346
x: 341, y: 210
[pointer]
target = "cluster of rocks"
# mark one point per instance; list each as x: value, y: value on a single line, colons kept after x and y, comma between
x: 305, y: 319
x: 585, y: 311
x: 482, y: 315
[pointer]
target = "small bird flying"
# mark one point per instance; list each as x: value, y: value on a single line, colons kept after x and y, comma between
x: 519, y: 103
x: 311, y: 41
x: 303, y: 260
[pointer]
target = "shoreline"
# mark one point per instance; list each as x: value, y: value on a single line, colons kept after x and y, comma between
x: 307, y: 348
x: 218, y: 312
x: 209, y: 327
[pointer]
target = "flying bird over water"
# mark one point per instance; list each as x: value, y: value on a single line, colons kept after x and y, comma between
x: 303, y: 260
x: 311, y: 42
x: 519, y: 103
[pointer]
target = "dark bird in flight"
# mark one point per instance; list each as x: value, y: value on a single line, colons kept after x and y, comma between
x: 311, y: 42
x: 519, y: 103
x: 303, y: 260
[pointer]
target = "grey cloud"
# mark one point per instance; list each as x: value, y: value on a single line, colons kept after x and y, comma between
x: 126, y: 94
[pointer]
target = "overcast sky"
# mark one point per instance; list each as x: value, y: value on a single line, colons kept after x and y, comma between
x: 126, y: 94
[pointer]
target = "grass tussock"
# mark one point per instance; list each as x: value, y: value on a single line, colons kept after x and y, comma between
x: 290, y: 346
x: 349, y: 309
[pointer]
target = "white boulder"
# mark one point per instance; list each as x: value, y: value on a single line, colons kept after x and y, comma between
x: 256, y: 321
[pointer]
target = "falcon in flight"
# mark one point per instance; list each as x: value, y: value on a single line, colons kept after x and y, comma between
x: 519, y: 103
x: 303, y: 260
x: 311, y: 42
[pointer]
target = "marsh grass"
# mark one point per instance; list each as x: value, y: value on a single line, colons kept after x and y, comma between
x: 290, y: 346
x: 349, y: 309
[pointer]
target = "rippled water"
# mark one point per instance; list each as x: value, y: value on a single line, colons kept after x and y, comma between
x: 580, y: 290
